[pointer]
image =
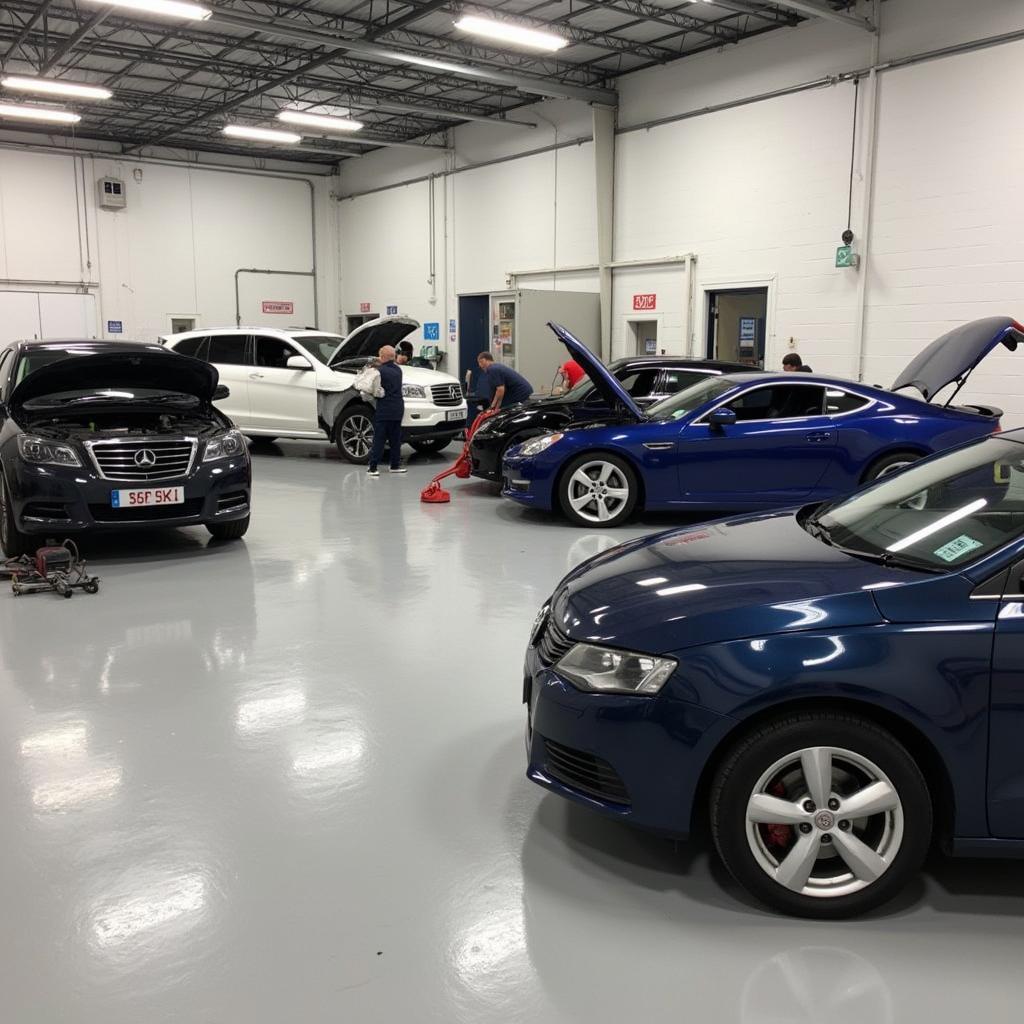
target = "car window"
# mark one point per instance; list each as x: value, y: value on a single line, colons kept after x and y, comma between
x: 322, y: 346
x: 227, y: 349
x: 689, y: 399
x: 837, y: 400
x: 675, y: 380
x: 640, y: 383
x: 942, y: 514
x: 778, y: 402
x: 195, y: 347
x: 273, y: 352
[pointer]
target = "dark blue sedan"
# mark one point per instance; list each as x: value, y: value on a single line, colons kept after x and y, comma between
x: 753, y: 441
x: 837, y: 686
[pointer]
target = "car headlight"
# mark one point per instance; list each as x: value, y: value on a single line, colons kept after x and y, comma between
x: 606, y: 670
x: 540, y: 444
x: 413, y: 391
x: 41, y: 452
x: 224, y: 446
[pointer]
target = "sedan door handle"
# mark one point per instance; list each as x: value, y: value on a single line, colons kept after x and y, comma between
x: 820, y: 435
x: 256, y: 376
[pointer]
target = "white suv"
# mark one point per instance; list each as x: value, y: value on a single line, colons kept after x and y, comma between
x: 297, y: 383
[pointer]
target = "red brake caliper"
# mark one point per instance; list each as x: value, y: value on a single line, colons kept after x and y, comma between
x: 778, y: 837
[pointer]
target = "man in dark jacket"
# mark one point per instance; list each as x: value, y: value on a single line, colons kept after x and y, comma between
x: 387, y: 421
x: 500, y: 384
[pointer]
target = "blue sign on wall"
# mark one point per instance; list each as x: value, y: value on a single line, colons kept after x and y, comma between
x: 748, y: 328
x: 431, y: 332
x: 392, y: 311
x: 451, y: 326
x: 115, y: 327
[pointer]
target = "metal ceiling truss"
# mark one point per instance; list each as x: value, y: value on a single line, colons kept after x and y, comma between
x: 177, y: 83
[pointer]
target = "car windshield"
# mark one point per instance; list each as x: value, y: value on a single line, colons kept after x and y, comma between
x: 940, y: 515
x: 320, y: 346
x: 682, y: 403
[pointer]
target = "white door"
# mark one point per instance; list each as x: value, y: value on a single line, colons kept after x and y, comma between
x: 230, y: 354
x: 66, y: 315
x: 281, y: 400
x: 276, y: 300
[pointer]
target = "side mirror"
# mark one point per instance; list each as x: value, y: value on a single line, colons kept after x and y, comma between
x: 721, y: 418
x: 299, y: 363
x: 220, y: 392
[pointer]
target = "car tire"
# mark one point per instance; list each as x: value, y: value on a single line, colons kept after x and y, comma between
x: 353, y: 434
x: 233, y: 530
x: 891, y: 463
x: 816, y: 863
x: 13, y: 542
x: 433, y: 446
x: 598, y: 490
x: 260, y: 439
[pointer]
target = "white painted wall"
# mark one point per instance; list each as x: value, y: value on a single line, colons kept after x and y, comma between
x: 175, y: 247
x: 758, y: 192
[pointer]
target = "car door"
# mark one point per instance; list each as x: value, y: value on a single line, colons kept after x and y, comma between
x: 230, y: 354
x: 281, y: 399
x: 780, y: 446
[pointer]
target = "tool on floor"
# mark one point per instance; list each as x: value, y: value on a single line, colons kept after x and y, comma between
x: 59, y: 569
x: 434, y: 493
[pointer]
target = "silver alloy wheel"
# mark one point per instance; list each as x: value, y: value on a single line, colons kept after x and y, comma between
x: 357, y: 436
x: 824, y: 822
x: 598, y: 491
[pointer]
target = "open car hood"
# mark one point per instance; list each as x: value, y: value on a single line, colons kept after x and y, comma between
x: 153, y: 367
x: 368, y: 339
x: 604, y: 380
x: 953, y: 356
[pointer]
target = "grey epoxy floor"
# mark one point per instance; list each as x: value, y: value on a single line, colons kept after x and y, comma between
x: 282, y: 780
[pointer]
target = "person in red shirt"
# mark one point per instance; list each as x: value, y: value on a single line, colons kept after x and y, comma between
x: 572, y: 373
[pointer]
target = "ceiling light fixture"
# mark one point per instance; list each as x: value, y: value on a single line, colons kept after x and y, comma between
x: 55, y: 88
x: 30, y: 113
x: 241, y: 131
x: 165, y: 8
x: 325, y: 121
x: 427, y: 62
x: 508, y: 32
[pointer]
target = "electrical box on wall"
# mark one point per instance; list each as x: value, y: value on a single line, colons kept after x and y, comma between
x: 110, y: 194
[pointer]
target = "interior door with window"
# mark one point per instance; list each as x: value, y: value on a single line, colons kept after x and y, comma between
x: 230, y: 354
x: 281, y: 400
x: 778, y: 449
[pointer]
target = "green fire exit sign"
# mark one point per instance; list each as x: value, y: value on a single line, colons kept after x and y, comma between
x: 846, y: 257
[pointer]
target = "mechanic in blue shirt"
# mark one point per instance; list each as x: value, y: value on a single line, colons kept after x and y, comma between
x: 387, y: 420
x: 502, y: 383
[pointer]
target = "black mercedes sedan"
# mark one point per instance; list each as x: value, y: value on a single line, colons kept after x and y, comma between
x: 648, y: 379
x: 114, y: 435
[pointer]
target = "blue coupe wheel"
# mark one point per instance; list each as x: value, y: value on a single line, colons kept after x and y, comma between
x: 598, y: 490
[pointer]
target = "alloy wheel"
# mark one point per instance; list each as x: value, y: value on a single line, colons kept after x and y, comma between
x: 824, y: 822
x: 894, y: 467
x: 598, y: 491
x: 357, y: 436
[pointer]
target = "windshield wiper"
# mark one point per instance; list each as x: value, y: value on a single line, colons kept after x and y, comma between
x: 886, y: 558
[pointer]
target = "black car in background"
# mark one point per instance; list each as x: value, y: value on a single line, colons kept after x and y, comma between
x: 648, y: 379
x: 114, y: 435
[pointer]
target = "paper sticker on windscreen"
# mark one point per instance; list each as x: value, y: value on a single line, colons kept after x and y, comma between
x: 957, y: 548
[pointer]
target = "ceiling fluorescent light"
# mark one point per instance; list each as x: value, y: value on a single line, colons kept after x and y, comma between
x: 508, y: 32
x: 241, y: 131
x: 55, y: 88
x: 165, y: 8
x: 29, y: 113
x: 324, y: 121
x: 427, y: 62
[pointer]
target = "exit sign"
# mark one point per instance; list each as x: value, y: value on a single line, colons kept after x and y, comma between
x: 846, y: 257
x: 644, y: 302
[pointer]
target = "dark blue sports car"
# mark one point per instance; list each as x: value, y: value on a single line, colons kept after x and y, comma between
x: 754, y: 440
x: 836, y: 686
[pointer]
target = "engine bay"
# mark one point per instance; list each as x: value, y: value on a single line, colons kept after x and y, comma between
x: 123, y: 423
